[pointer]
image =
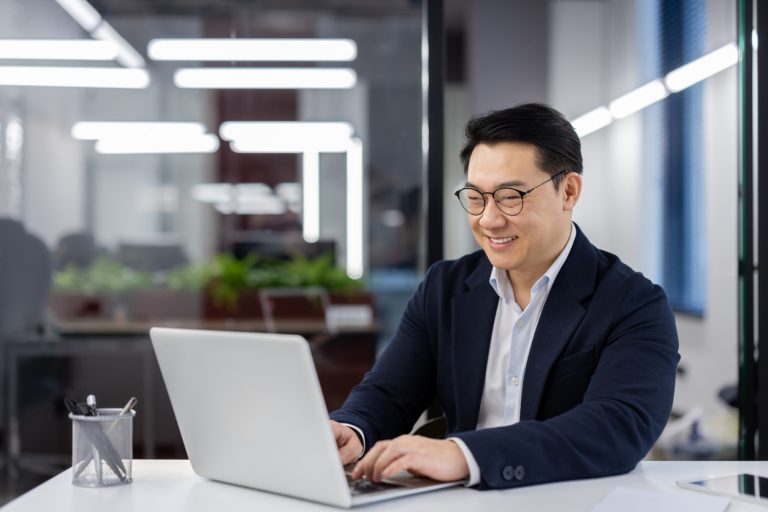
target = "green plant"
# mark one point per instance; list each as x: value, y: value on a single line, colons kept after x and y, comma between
x: 322, y: 272
x: 189, y: 278
x: 228, y: 278
x: 104, y: 276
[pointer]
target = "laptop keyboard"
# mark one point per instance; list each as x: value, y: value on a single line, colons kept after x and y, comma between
x: 364, y: 486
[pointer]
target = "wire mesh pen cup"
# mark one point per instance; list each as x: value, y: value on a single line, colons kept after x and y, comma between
x: 102, y: 448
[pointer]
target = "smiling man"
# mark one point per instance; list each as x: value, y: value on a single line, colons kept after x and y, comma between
x: 550, y: 358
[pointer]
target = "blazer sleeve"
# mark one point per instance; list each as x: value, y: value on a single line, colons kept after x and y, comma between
x: 623, y: 412
x: 401, y: 384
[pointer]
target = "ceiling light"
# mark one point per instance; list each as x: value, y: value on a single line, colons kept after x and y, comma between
x: 94, y: 130
x: 592, y: 121
x: 82, y: 12
x: 48, y: 76
x: 126, y: 55
x: 287, y: 136
x: 205, y: 143
x: 284, y: 50
x: 57, y: 49
x: 211, y: 192
x: 638, y: 99
x: 310, y: 176
x: 265, y: 78
x: 355, y: 210
x: 701, y: 68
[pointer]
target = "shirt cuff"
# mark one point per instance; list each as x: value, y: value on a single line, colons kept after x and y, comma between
x: 474, y: 469
x: 360, y: 435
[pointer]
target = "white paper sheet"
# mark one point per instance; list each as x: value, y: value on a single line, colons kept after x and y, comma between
x: 623, y: 499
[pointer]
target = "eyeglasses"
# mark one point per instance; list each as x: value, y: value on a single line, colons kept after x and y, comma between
x: 508, y: 199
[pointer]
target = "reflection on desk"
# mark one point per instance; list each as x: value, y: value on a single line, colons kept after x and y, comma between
x: 167, y: 486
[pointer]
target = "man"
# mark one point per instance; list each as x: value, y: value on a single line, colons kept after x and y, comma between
x: 551, y: 359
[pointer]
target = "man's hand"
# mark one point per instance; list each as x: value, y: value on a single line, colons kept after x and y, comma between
x: 347, y: 442
x: 439, y: 459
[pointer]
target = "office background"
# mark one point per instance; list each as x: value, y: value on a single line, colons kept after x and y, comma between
x: 660, y: 184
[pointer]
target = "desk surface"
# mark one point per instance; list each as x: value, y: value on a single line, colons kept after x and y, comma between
x: 170, y: 485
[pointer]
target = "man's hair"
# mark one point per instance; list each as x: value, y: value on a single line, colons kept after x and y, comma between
x: 557, y: 145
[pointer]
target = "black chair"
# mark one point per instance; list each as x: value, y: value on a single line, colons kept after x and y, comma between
x: 25, y: 279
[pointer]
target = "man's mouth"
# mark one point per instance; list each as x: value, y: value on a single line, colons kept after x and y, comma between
x: 502, y: 240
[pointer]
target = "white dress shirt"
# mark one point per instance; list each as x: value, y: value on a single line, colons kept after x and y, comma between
x: 511, y: 339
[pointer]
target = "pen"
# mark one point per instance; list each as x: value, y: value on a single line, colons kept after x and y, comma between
x: 90, y: 401
x: 125, y: 410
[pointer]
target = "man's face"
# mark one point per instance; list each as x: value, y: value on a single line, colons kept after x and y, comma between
x: 525, y: 244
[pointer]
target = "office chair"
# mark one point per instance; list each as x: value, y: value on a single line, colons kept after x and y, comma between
x: 25, y: 277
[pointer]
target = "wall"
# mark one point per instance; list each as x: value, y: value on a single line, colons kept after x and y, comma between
x: 597, y: 45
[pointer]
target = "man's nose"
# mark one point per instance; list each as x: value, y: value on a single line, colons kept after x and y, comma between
x: 492, y: 215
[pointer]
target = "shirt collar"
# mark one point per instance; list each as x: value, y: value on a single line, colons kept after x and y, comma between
x: 500, y: 282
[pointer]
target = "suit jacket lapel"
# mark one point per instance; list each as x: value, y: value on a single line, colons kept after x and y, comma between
x: 473, y: 315
x: 561, y: 315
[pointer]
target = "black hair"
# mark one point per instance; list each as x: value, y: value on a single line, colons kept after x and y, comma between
x: 557, y: 145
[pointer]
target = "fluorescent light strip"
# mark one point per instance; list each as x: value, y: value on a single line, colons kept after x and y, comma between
x: 205, y: 143
x: 126, y: 55
x: 642, y: 97
x: 265, y: 78
x: 92, y: 22
x: 284, y: 50
x: 57, y: 49
x: 675, y: 81
x: 702, y: 68
x: 328, y: 131
x: 592, y: 121
x: 355, y: 190
x: 311, y: 196
x: 94, y: 130
x: 50, y: 76
x: 286, y: 137
x: 82, y: 12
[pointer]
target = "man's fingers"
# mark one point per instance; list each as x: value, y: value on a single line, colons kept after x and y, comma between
x: 394, y: 451
x: 363, y: 468
x: 349, y: 452
x: 402, y: 463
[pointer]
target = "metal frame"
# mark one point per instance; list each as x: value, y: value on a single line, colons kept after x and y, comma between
x: 761, y: 145
x: 433, y: 60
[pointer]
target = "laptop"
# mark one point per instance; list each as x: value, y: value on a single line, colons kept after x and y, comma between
x: 251, y: 413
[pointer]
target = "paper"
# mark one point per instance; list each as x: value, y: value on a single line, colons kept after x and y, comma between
x: 622, y: 499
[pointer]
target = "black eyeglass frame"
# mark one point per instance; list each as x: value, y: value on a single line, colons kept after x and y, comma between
x: 522, y: 193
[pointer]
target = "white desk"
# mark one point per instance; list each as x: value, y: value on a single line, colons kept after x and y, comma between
x: 170, y: 485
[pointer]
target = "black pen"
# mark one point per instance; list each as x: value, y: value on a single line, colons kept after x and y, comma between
x: 90, y: 402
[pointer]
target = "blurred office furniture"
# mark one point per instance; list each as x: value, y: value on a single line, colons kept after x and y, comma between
x: 115, y: 360
x: 78, y: 249
x: 282, y: 246
x: 151, y: 257
x: 25, y: 278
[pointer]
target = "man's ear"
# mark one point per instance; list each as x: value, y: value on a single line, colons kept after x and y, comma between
x: 571, y: 190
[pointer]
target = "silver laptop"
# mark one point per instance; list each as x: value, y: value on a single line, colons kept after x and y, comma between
x: 251, y: 413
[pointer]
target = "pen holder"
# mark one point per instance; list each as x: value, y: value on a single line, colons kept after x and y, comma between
x: 102, y: 448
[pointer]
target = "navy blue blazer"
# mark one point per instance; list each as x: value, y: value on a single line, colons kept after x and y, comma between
x: 598, y: 383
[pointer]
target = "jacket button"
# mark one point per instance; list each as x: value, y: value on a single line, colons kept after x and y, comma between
x: 508, y: 473
x: 519, y: 472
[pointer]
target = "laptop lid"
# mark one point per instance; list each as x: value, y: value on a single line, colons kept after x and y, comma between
x: 250, y: 411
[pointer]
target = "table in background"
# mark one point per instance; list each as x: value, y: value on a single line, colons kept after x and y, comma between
x: 126, y: 341
x: 170, y: 485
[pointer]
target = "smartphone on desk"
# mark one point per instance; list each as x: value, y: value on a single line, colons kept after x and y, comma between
x: 744, y: 487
